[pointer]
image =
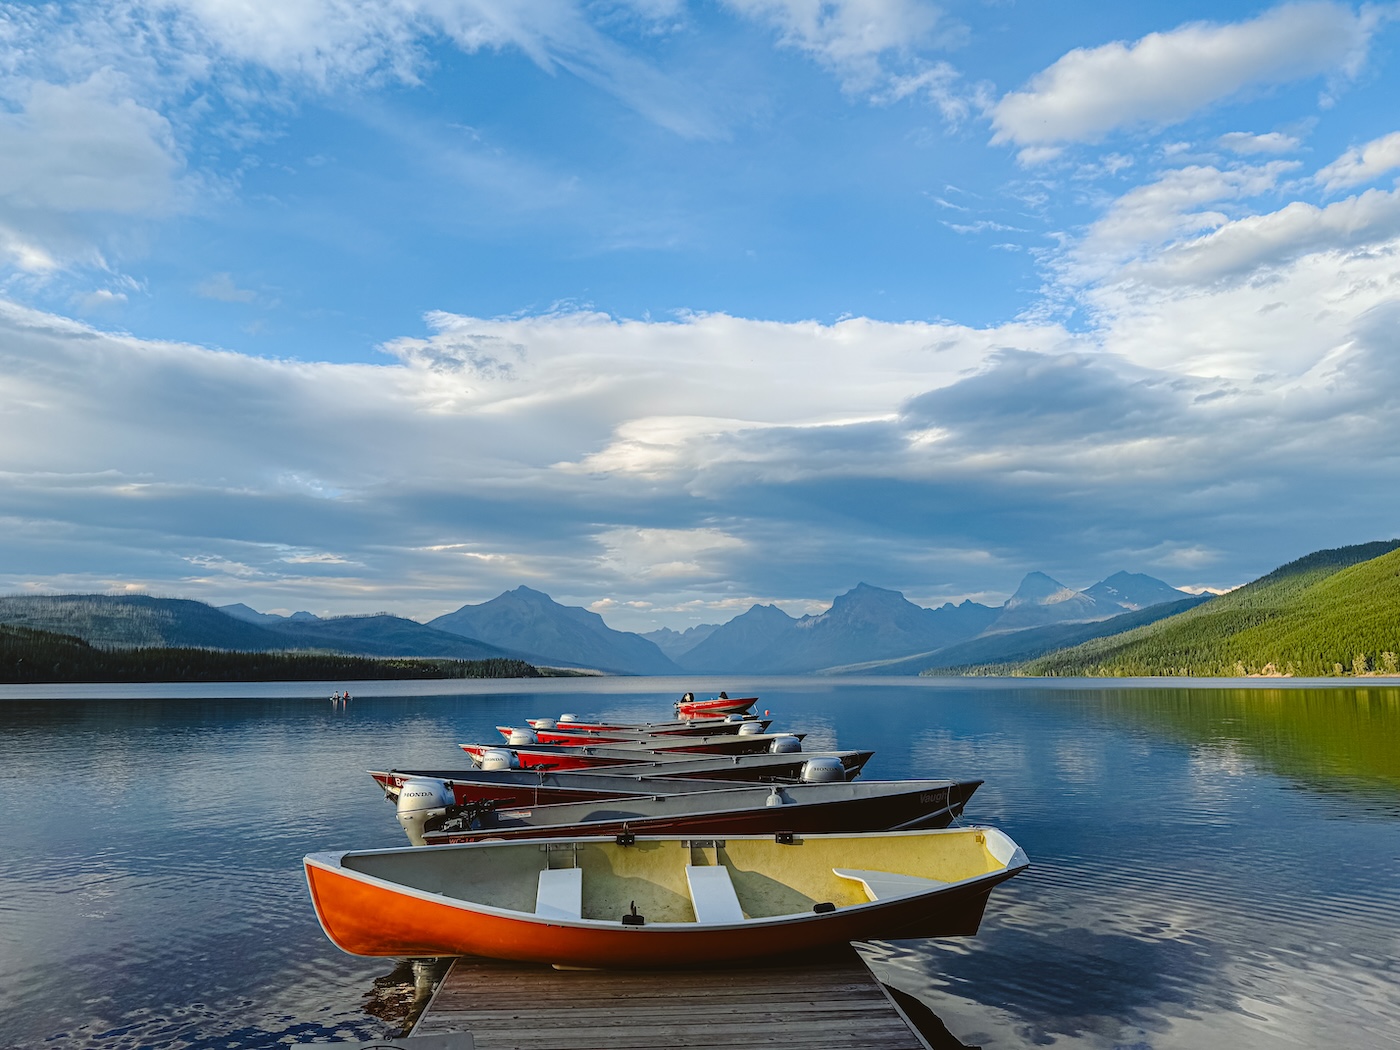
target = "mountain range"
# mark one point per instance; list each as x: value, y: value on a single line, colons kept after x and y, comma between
x: 1332, y: 612
x: 557, y: 635
x: 867, y: 629
x: 140, y: 621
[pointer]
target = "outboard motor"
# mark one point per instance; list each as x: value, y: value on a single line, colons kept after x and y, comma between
x: 421, y: 799
x: 523, y: 736
x: 783, y: 744
x: 825, y: 770
x: 750, y: 729
x: 544, y: 723
x: 568, y: 718
x: 498, y: 758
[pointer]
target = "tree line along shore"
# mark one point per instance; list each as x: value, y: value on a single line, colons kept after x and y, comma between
x: 29, y: 656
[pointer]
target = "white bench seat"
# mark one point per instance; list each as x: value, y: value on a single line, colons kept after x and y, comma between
x: 560, y: 894
x: 712, y: 894
x: 882, y: 885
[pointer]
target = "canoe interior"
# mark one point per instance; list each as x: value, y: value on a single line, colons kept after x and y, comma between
x: 770, y: 879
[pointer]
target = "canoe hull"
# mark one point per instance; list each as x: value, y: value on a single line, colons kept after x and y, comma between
x: 366, y: 916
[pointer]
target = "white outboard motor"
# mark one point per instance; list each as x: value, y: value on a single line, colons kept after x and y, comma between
x: 750, y: 729
x: 568, y: 718
x: 498, y: 758
x: 825, y: 770
x: 522, y: 736
x: 784, y: 744
x: 420, y: 799
x: 544, y: 723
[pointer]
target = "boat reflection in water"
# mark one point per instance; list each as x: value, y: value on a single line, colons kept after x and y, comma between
x: 400, y: 996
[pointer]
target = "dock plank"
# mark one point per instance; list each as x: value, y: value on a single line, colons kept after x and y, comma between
x: 833, y: 1003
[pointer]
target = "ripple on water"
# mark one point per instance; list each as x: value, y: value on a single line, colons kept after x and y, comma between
x: 1185, y: 892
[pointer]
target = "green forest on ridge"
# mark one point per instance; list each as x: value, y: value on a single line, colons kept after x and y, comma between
x: 1333, y: 612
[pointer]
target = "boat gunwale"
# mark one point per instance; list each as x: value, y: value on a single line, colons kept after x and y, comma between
x: 528, y: 814
x: 1007, y: 871
x: 683, y: 744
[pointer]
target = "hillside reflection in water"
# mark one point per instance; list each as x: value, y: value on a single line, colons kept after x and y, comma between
x: 1210, y: 867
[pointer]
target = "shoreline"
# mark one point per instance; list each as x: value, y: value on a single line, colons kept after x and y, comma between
x: 630, y: 684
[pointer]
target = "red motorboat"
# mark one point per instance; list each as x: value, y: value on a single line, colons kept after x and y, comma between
x: 564, y: 757
x: 568, y: 733
x: 717, y: 723
x: 687, y: 706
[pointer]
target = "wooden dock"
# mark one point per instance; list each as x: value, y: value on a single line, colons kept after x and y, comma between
x: 831, y: 1004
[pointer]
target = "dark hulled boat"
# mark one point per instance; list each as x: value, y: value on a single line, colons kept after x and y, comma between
x: 737, y: 810
x: 538, y: 787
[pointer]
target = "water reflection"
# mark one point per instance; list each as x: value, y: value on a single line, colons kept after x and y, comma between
x: 1209, y: 867
x: 400, y: 996
x: 1177, y: 897
x: 1330, y: 739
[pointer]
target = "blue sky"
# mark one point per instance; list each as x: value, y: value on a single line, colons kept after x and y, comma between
x: 667, y: 308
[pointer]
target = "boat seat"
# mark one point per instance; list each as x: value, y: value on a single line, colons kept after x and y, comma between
x: 882, y: 885
x: 712, y: 894
x: 560, y: 894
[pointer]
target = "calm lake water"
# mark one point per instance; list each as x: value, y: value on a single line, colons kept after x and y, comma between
x: 1211, y: 867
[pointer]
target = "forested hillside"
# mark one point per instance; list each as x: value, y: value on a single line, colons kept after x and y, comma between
x: 30, y: 656
x: 1333, y: 612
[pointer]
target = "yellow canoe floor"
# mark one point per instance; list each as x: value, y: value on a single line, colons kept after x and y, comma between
x: 669, y: 880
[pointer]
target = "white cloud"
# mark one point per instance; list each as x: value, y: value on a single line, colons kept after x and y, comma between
x: 1362, y: 163
x: 1222, y: 357
x: 1281, y: 307
x: 25, y: 253
x: 100, y: 300
x: 324, y: 41
x: 654, y: 461
x: 1034, y: 155
x: 1179, y: 203
x: 853, y: 37
x: 101, y: 104
x: 75, y: 155
x: 1255, y: 243
x: 1248, y: 144
x: 668, y: 553
x: 1165, y: 77
x: 939, y: 84
x: 332, y: 44
x: 221, y: 286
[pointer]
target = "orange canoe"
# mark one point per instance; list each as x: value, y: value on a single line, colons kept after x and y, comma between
x: 663, y: 901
